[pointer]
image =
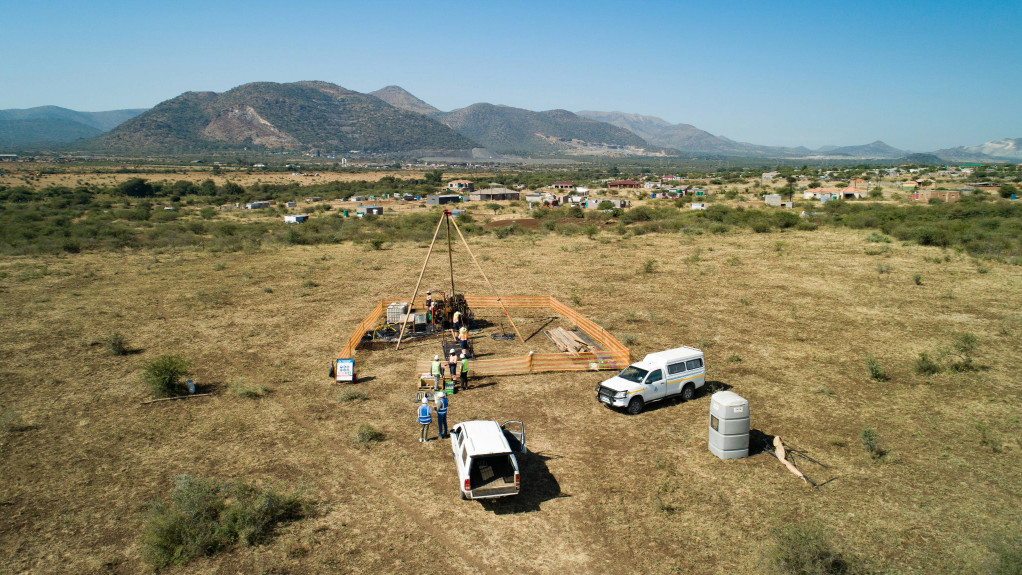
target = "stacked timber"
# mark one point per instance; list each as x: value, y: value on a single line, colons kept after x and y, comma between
x: 568, y: 341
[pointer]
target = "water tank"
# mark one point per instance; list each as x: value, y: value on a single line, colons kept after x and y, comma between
x: 729, y: 425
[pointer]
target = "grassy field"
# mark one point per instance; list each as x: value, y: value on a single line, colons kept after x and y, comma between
x: 787, y: 320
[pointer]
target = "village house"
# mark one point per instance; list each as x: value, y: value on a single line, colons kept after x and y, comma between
x: 622, y: 184
x: 944, y: 195
x: 495, y: 192
x: 460, y: 186
x: 769, y: 176
x: 563, y: 185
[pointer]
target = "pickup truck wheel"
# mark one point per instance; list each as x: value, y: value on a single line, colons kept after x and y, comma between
x: 635, y: 405
x: 688, y: 392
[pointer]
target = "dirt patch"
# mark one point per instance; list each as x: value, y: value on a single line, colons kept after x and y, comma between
x: 524, y: 223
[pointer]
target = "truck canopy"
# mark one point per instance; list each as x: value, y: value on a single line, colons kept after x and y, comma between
x: 670, y: 355
x: 484, y: 438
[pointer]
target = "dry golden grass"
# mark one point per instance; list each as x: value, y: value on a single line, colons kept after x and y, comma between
x: 603, y: 492
x: 14, y: 174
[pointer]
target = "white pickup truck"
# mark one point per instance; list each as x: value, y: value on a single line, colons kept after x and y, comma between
x: 484, y: 453
x: 672, y: 373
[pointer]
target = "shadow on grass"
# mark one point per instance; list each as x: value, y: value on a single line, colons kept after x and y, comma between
x: 538, y: 487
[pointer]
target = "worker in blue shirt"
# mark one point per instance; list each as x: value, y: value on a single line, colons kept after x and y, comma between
x: 441, y: 414
x: 425, y: 418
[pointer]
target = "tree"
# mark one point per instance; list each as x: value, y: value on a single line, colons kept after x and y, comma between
x: 434, y: 177
x: 791, y: 186
x: 494, y: 206
x: 614, y: 172
x: 137, y: 188
x: 1006, y: 190
x: 208, y: 187
x: 876, y: 194
x: 231, y: 189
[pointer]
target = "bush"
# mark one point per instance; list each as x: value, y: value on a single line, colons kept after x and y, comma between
x: 806, y: 550
x: 117, y: 345
x: 917, y: 279
x: 352, y: 395
x: 249, y: 392
x: 207, y: 213
x: 163, y: 375
x: 1009, y: 558
x: 876, y: 371
x: 367, y: 434
x: 376, y: 243
x: 926, y: 366
x: 876, y: 238
x: 869, y: 438
x: 649, y: 266
x: 204, y: 516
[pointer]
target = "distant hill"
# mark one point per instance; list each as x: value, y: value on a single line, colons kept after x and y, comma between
x: 400, y: 98
x: 300, y: 115
x: 14, y: 133
x: 505, y: 129
x: 687, y: 138
x: 928, y: 159
x: 1006, y: 149
x: 877, y: 149
x: 56, y: 125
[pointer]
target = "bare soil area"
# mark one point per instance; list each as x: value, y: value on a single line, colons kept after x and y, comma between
x: 786, y: 320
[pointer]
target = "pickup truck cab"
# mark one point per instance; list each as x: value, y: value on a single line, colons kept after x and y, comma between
x: 484, y: 453
x: 672, y: 373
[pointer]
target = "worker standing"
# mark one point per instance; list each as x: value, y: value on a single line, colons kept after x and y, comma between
x: 463, y: 339
x: 425, y: 418
x: 452, y: 363
x: 429, y: 307
x: 437, y: 371
x: 464, y: 373
x: 441, y: 415
x: 456, y: 321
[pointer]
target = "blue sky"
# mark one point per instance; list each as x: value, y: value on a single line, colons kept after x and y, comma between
x: 918, y: 75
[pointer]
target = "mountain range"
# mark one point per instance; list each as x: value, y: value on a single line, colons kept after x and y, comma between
x: 320, y: 115
x: 56, y: 125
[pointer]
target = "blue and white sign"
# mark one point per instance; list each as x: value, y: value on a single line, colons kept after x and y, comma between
x: 345, y: 370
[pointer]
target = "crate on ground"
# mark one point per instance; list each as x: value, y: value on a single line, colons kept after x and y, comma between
x: 396, y: 310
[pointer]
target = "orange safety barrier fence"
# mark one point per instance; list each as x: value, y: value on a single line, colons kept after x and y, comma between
x: 614, y: 355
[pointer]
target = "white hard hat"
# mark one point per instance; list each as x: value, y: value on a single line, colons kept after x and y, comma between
x: 440, y: 394
x: 436, y: 357
x: 424, y: 400
x: 428, y: 292
x: 462, y: 356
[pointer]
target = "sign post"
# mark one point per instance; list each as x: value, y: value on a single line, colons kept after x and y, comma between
x: 345, y: 370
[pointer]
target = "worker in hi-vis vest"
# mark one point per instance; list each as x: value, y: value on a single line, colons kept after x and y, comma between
x: 456, y: 321
x: 452, y: 363
x: 437, y: 371
x: 441, y: 415
x: 464, y: 373
x: 425, y: 418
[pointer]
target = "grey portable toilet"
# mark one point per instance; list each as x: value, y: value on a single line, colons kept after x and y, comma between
x: 729, y: 425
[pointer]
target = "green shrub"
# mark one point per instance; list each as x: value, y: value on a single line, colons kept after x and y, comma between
x: 117, y: 345
x: 917, y: 279
x: 241, y: 389
x: 876, y: 371
x: 376, y: 243
x: 876, y: 238
x: 926, y: 366
x: 207, y: 213
x: 163, y: 375
x: 870, y: 438
x: 204, y: 516
x: 649, y: 266
x: 1009, y: 558
x: 367, y: 434
x: 958, y: 355
x: 352, y: 395
x: 806, y: 550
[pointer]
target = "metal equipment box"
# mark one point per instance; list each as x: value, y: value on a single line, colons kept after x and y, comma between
x: 729, y: 425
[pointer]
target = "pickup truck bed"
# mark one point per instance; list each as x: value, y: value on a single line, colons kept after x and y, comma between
x: 492, y: 475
